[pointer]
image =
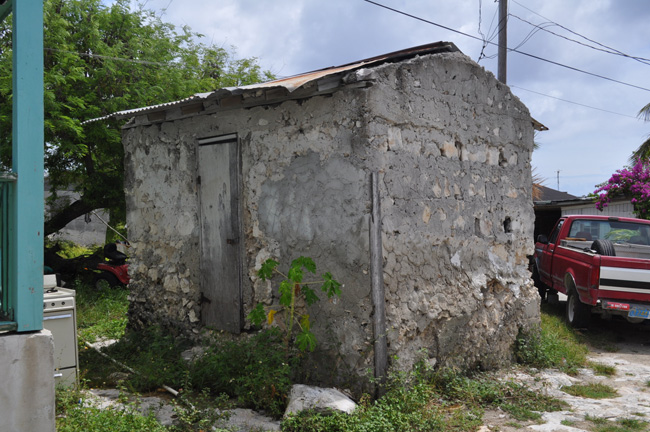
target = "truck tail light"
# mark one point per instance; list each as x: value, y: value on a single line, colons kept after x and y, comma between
x: 594, y: 279
x: 594, y: 274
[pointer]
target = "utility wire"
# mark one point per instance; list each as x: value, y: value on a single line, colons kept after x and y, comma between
x: 491, y: 33
x: 574, y: 103
x: 611, y: 50
x: 509, y: 49
x: 544, y: 26
x: 145, y: 62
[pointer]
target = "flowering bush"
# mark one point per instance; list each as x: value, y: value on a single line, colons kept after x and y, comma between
x: 629, y: 182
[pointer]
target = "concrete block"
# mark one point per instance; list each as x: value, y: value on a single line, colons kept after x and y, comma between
x: 27, y: 382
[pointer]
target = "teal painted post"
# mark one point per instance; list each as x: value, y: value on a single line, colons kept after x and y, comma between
x: 28, y: 148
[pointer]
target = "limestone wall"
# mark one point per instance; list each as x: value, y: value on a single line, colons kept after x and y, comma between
x: 452, y: 147
x: 457, y: 215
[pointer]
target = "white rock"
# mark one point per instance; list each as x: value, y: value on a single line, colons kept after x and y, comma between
x: 304, y: 397
x: 243, y: 420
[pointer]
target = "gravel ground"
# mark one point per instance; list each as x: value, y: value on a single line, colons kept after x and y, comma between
x: 628, y: 351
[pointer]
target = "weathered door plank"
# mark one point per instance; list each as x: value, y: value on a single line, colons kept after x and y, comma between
x: 220, y: 236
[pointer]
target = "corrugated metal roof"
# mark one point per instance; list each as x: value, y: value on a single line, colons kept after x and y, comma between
x: 127, y: 113
x: 294, y: 82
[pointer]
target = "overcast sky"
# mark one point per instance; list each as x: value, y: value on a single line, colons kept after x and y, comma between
x: 586, y: 145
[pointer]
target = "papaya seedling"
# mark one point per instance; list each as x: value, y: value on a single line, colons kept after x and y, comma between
x: 293, y: 287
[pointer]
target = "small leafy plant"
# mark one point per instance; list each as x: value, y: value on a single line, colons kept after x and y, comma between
x: 292, y: 288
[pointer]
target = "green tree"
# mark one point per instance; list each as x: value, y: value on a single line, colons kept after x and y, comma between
x: 101, y: 59
x: 643, y: 152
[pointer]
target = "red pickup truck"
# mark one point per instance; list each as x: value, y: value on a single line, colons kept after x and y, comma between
x: 601, y: 263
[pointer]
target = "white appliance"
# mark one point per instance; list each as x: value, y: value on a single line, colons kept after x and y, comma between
x: 60, y: 317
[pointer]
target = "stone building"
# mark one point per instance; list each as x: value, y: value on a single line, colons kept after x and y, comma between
x: 219, y: 182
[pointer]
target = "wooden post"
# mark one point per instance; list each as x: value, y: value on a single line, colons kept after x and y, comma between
x: 503, y: 41
x: 377, y: 282
x: 28, y: 147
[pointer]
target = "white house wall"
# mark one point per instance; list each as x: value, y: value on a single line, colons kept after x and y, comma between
x: 616, y: 208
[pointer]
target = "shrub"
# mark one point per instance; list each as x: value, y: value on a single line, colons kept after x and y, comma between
x: 256, y: 371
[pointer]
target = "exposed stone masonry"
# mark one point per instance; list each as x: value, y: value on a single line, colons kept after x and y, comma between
x: 452, y: 147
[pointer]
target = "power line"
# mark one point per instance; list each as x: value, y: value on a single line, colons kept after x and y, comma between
x: 584, y: 37
x: 509, y: 49
x: 491, y: 33
x: 572, y: 102
x: 544, y: 26
x: 104, y: 57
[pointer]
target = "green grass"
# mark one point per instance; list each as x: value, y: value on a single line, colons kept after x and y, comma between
x: 101, y: 314
x: 74, y: 414
x: 591, y: 391
x: 521, y: 403
x: 554, y: 345
x: 602, y: 369
x: 620, y: 425
x: 153, y: 354
x: 425, y: 400
x: 256, y: 373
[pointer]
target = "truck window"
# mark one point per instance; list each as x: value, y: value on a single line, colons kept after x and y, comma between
x: 626, y: 232
x: 582, y: 229
x: 615, y: 231
x: 556, y: 231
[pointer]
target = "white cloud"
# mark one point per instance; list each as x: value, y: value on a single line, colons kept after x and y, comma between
x: 293, y: 36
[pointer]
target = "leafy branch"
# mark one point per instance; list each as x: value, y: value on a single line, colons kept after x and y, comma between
x: 294, y: 286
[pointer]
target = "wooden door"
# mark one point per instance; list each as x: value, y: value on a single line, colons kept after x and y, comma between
x: 219, y: 178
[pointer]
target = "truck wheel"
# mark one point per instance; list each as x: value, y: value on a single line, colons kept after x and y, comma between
x: 578, y: 314
x: 603, y: 247
x: 105, y: 280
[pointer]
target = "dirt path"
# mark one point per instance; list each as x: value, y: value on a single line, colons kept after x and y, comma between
x: 628, y: 350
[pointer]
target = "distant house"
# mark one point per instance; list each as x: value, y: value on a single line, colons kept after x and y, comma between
x: 553, y: 204
x: 221, y: 181
x: 87, y: 230
x: 548, y: 208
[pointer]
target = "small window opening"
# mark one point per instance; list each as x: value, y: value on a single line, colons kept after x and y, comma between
x: 507, y: 225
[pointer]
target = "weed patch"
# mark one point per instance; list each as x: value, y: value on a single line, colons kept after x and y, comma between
x: 555, y: 344
x: 621, y: 425
x: 602, y: 369
x: 591, y: 391
x: 257, y: 371
x: 74, y: 415
x: 101, y: 314
x: 424, y: 400
x: 154, y: 355
x: 515, y: 399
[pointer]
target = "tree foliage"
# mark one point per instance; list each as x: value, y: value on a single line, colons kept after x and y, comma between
x: 643, y: 152
x: 633, y: 183
x: 101, y: 59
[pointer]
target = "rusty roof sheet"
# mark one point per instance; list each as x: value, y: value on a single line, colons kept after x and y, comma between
x: 294, y: 82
